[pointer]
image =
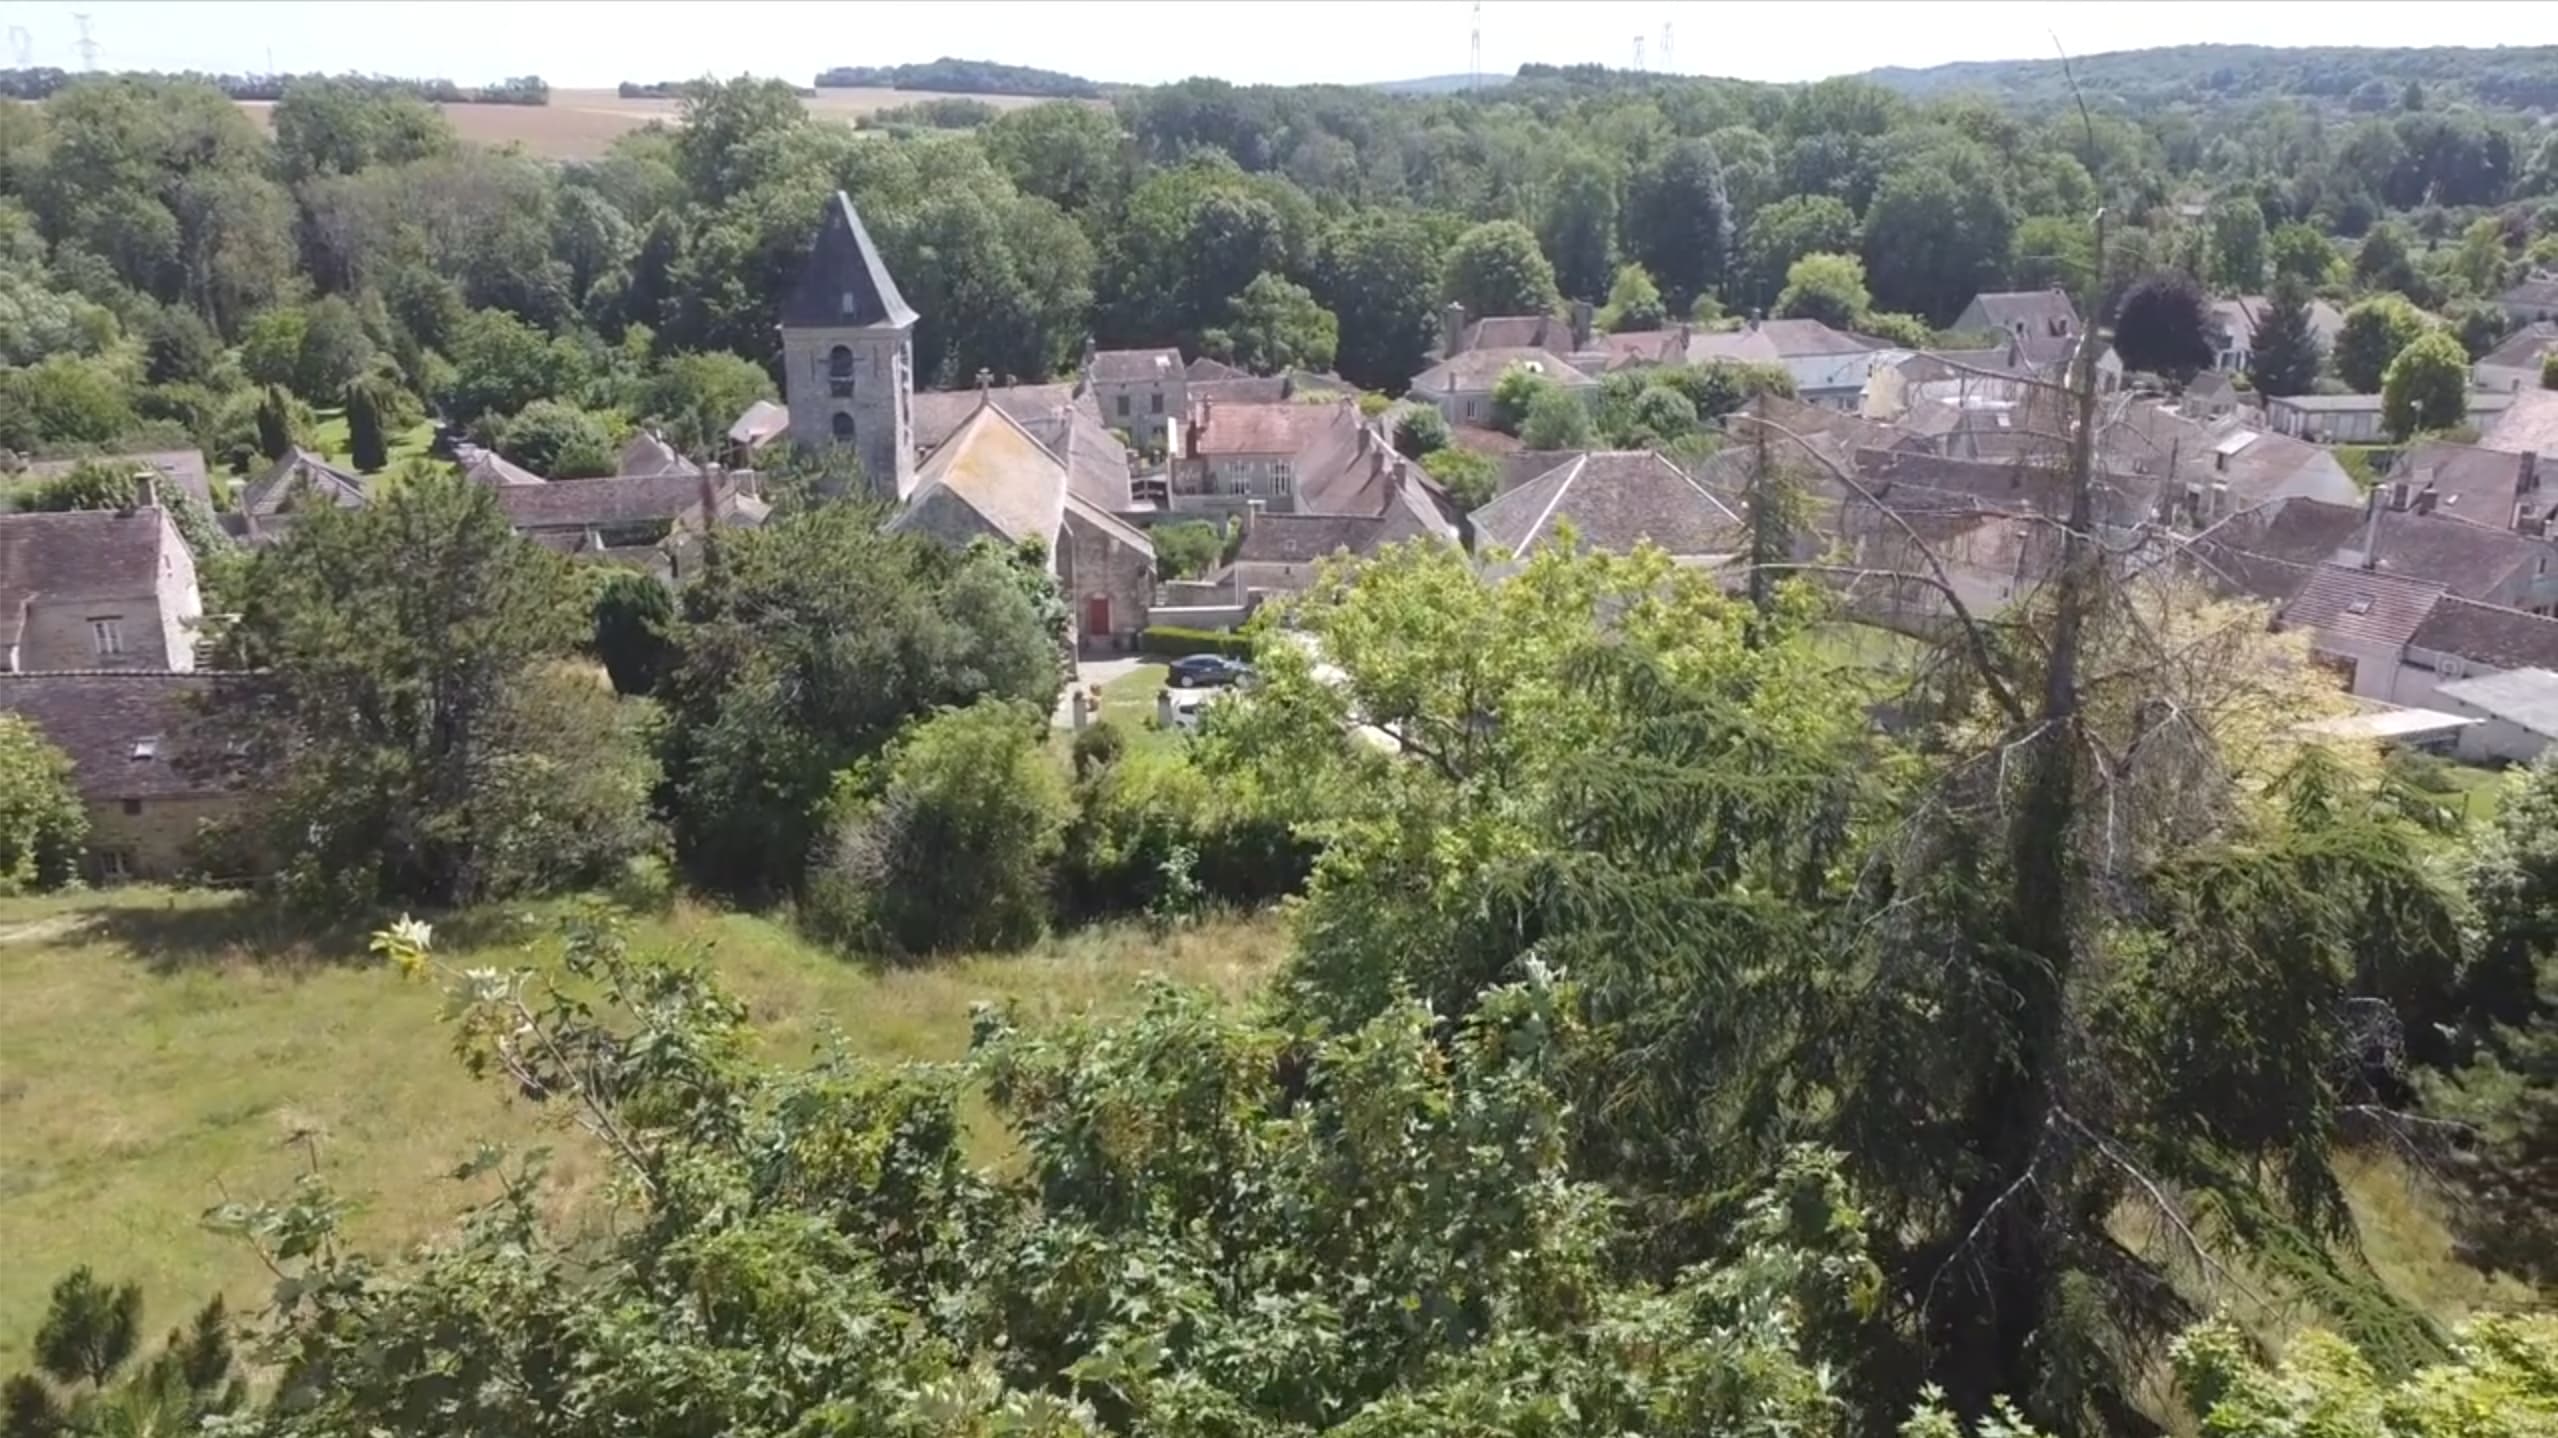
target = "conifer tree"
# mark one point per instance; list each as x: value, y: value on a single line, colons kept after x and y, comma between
x: 2285, y: 357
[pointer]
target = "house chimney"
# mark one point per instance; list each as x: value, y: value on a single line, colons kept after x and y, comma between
x: 1687, y: 333
x: 1251, y: 512
x: 146, y: 490
x: 2220, y: 461
x: 1452, y: 330
x: 985, y: 377
x: 2371, y: 532
x: 2527, y: 473
x: 2398, y: 495
x: 1090, y: 350
x: 1582, y: 315
x: 2425, y: 499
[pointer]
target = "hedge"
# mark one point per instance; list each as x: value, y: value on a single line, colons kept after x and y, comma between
x: 1173, y: 641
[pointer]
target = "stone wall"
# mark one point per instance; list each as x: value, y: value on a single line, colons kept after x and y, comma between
x: 1093, y: 562
x: 155, y: 842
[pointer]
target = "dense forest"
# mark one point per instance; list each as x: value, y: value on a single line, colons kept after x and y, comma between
x: 1685, y: 1030
x: 166, y: 263
x: 962, y: 77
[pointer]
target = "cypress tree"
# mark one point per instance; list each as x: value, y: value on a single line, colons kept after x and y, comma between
x: 2285, y: 357
x: 364, y: 427
x: 275, y: 423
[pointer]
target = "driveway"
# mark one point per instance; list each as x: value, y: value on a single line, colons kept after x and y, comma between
x: 1092, y: 674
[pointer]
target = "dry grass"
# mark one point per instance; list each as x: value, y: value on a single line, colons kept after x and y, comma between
x: 165, y: 1052
x: 582, y: 124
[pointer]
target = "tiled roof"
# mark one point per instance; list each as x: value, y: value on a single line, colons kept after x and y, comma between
x: 2524, y: 347
x: 1481, y: 369
x: 582, y: 503
x: 2469, y: 483
x: 993, y: 478
x: 487, y: 466
x: 1206, y: 368
x: 184, y: 468
x: 1801, y: 339
x: 2361, y: 605
x: 1265, y: 428
x: 1476, y: 439
x: 301, y: 477
x: 1096, y: 462
x: 844, y: 283
x: 74, y: 555
x: 763, y: 422
x: 2472, y: 560
x: 125, y: 731
x: 647, y: 456
x: 2537, y: 292
x: 1136, y: 366
x: 938, y: 414
x: 2529, y: 423
x: 2035, y: 309
x: 1615, y: 500
x: 1520, y: 332
x: 2489, y: 634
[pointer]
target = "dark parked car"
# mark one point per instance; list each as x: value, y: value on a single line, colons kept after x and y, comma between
x: 1206, y: 671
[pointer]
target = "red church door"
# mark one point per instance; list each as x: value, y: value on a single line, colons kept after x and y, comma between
x: 1096, y: 618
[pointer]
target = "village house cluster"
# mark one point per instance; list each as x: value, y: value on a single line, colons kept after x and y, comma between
x: 2431, y: 596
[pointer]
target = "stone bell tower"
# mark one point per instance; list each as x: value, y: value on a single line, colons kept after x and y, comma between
x: 848, y: 354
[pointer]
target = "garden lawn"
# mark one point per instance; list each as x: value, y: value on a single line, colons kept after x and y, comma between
x: 158, y: 1053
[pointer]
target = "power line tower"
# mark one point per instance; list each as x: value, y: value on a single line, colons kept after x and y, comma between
x: 1669, y: 51
x: 1638, y: 53
x: 1476, y: 42
x: 88, y: 46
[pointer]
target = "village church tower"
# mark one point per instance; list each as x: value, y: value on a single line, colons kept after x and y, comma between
x: 848, y: 354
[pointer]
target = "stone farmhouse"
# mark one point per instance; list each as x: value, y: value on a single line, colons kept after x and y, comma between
x: 138, y: 769
x: 97, y: 590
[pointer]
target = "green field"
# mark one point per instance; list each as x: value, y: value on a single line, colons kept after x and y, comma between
x: 161, y: 1053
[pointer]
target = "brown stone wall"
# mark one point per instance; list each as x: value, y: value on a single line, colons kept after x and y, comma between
x: 1093, y: 561
x: 58, y: 637
x: 155, y: 842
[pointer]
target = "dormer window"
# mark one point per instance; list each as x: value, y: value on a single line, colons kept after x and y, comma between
x: 146, y: 749
x: 106, y: 635
x: 2359, y: 604
x: 852, y: 303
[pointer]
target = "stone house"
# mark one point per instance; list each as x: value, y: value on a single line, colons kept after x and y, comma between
x: 654, y: 523
x: 1286, y: 458
x: 1460, y: 386
x: 995, y: 479
x: 2044, y: 322
x: 129, y: 735
x: 97, y: 589
x: 1281, y: 553
x: 1139, y: 392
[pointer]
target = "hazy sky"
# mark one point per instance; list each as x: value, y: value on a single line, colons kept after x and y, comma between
x: 590, y: 44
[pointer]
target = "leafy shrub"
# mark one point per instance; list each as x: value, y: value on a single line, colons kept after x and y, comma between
x: 947, y: 840
x: 1173, y: 641
x: 1097, y: 746
x: 42, y: 824
x: 1152, y: 833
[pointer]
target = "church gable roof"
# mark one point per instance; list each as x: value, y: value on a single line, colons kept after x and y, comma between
x: 844, y: 283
